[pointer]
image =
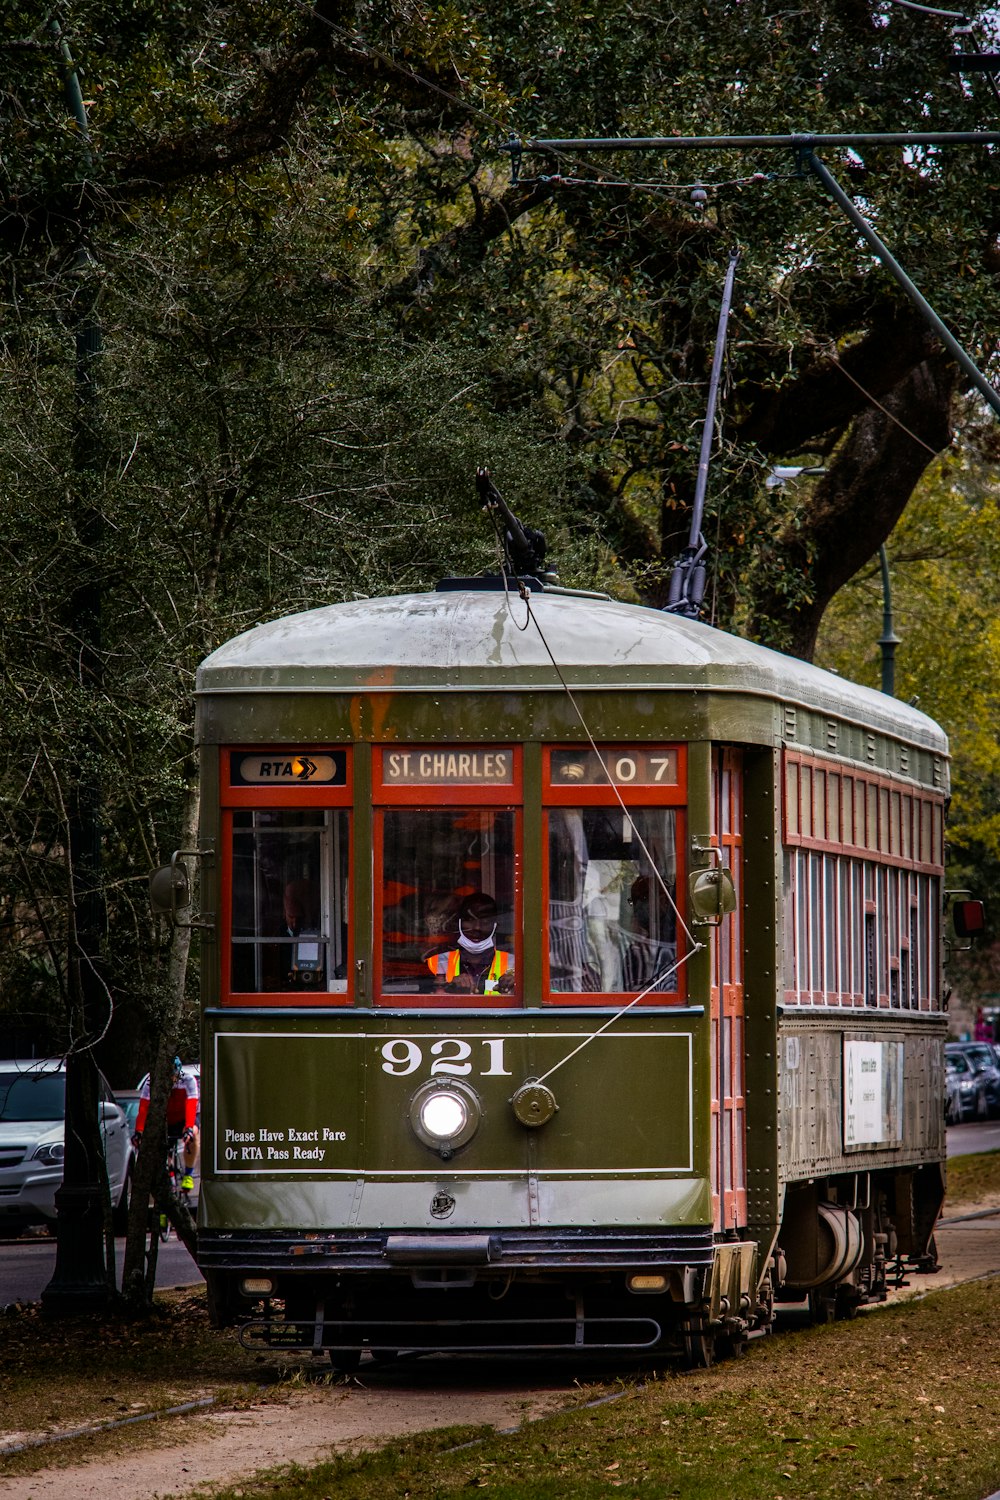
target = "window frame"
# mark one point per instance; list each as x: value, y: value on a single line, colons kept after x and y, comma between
x: 233, y: 797
x: 442, y: 797
x: 883, y: 838
x: 633, y: 795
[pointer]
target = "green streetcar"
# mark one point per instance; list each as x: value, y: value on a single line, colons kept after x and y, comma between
x: 575, y: 982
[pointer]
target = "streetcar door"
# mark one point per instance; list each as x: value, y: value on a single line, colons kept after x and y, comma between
x: 729, y: 1169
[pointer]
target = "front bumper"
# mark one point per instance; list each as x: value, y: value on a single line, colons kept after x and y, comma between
x: 28, y: 1195
x: 295, y: 1252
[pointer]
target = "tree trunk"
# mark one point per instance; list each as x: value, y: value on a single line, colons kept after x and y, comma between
x: 150, y: 1166
x: 856, y: 504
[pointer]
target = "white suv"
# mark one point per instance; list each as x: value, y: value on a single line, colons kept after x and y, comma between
x: 32, y: 1129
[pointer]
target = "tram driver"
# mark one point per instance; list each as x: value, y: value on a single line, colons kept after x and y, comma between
x: 475, y: 966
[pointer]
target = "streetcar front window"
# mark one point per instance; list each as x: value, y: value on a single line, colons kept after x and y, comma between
x: 448, y: 901
x: 290, y: 884
x: 612, y: 889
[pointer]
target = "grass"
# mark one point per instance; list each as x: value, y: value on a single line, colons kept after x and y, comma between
x: 61, y: 1375
x: 973, y: 1180
x: 900, y: 1401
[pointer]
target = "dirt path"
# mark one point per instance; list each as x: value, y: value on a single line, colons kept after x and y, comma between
x: 317, y: 1421
x: 306, y: 1426
x: 968, y: 1245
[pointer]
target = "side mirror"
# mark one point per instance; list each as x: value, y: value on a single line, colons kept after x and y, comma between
x: 968, y: 918
x: 169, y: 889
x: 712, y: 894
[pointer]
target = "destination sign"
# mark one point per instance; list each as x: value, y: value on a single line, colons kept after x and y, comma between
x: 624, y: 765
x: 289, y: 768
x: 448, y: 767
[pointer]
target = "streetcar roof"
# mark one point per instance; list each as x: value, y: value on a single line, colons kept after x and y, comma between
x: 482, y: 639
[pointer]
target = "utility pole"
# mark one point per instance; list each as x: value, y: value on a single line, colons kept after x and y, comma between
x: 888, y: 640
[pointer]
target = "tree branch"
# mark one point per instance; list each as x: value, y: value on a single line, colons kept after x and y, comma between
x: 857, y: 504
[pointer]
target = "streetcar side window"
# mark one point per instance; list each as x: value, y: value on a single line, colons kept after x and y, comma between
x: 613, y: 842
x: 612, y: 889
x: 880, y: 850
x: 448, y: 902
x: 289, y: 900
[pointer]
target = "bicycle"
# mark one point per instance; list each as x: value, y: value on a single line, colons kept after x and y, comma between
x: 178, y: 1178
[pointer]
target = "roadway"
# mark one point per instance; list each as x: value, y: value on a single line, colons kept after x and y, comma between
x: 26, y: 1264
x: 976, y: 1135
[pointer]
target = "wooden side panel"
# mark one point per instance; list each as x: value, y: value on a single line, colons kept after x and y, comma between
x: 729, y: 1158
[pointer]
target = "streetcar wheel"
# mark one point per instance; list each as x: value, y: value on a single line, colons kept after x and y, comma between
x: 699, y: 1347
x: 345, y: 1361
x: 822, y: 1306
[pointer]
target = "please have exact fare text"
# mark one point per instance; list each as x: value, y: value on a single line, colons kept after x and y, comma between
x: 280, y: 1145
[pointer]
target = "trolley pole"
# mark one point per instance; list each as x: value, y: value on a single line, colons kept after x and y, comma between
x: 687, y: 581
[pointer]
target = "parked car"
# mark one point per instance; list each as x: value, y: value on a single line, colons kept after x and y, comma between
x: 966, y: 1090
x: 32, y: 1143
x: 983, y: 1061
x: 964, y: 1098
x: 128, y: 1099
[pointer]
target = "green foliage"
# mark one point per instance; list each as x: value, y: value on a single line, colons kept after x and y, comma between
x: 323, y: 304
x: 945, y: 566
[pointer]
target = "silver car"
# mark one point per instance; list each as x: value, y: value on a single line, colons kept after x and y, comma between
x: 32, y: 1129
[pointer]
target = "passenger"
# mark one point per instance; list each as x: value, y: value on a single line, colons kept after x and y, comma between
x: 649, y: 959
x: 476, y: 965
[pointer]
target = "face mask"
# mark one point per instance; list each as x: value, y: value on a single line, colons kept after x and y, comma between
x: 470, y: 945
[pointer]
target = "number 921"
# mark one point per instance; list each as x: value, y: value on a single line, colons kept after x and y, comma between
x: 450, y: 1055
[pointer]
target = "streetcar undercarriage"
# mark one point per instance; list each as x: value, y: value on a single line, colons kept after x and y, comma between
x: 541, y: 1292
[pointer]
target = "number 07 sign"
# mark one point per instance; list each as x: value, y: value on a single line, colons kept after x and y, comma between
x: 621, y: 765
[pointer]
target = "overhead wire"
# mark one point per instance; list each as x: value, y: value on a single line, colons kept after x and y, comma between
x: 933, y: 10
x: 884, y: 409
x: 557, y: 179
x: 525, y: 595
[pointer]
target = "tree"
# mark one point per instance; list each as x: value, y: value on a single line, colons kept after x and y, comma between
x: 325, y: 302
x: 945, y: 558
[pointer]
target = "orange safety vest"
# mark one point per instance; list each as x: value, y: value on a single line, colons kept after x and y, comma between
x: 447, y: 965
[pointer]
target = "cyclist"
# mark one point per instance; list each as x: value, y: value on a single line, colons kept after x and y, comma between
x: 182, y: 1116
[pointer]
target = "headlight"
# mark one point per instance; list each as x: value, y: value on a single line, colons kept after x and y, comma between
x: 445, y: 1115
x: 51, y: 1154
